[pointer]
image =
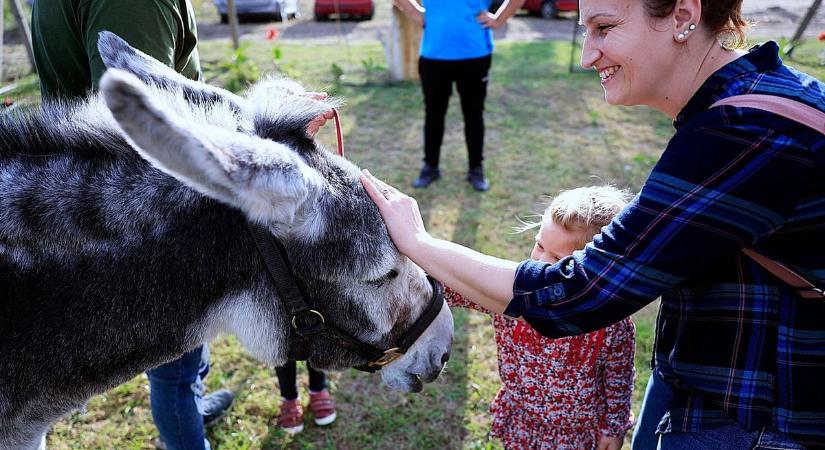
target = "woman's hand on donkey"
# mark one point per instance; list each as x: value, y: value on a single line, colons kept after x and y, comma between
x: 400, y: 213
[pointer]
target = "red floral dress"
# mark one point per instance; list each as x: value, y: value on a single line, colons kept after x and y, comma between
x: 560, y: 393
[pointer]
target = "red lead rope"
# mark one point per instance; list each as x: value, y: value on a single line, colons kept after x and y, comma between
x: 338, y: 133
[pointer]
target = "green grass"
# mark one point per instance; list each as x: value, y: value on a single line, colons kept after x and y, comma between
x: 547, y: 130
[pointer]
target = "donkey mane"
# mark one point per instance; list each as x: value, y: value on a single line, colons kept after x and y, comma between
x: 53, y: 133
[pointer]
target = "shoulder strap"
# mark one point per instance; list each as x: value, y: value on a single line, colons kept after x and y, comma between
x: 785, y: 107
x: 810, y: 117
x: 804, y: 288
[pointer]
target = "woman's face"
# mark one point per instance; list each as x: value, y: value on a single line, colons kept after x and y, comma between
x: 633, y: 52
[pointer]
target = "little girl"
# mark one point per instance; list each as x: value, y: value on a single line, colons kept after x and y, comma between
x: 569, y: 393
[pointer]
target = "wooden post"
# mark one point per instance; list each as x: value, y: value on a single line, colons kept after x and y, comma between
x: 403, y: 45
x: 233, y: 23
x: 23, y: 24
x: 802, y: 26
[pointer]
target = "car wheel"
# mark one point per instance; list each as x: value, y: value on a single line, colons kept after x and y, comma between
x: 321, y: 17
x: 549, y: 10
x: 224, y: 19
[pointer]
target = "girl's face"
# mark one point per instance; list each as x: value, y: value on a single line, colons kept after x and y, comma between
x: 633, y: 53
x: 553, y: 242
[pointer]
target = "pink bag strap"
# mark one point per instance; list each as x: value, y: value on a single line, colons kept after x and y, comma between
x: 810, y: 117
x: 785, y: 107
x: 803, y: 287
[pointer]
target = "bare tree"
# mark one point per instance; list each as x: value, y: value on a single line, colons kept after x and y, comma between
x: 233, y: 22
x: 23, y: 25
x: 1, y: 40
x: 802, y: 26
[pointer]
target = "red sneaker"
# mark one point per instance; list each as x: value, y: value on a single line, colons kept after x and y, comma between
x: 323, y: 407
x: 291, y: 418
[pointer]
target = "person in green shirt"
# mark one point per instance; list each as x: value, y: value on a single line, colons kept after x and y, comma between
x: 64, y: 37
x: 65, y: 33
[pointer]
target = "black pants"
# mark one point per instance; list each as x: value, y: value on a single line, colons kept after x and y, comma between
x: 470, y: 77
x: 289, y: 386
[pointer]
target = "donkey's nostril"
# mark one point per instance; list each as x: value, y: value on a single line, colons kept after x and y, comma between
x: 445, y: 357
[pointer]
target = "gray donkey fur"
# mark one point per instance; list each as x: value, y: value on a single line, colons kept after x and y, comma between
x: 124, y: 240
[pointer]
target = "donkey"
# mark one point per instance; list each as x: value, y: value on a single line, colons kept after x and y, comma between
x: 125, y: 241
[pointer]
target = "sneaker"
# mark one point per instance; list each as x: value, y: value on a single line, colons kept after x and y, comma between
x: 291, y: 418
x: 476, y: 177
x: 323, y: 407
x: 427, y: 176
x: 215, y: 406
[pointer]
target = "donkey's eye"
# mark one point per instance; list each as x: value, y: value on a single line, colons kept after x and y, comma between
x: 384, y: 278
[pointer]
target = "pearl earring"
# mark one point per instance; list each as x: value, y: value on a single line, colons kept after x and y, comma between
x: 684, y: 34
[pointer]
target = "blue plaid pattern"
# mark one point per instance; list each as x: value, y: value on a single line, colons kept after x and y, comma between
x: 734, y: 342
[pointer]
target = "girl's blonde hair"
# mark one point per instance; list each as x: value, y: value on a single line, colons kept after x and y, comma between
x: 584, y: 210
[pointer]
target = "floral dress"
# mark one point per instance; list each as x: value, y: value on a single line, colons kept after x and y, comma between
x: 560, y: 393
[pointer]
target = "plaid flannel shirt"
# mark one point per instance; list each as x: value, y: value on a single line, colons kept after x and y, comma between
x: 734, y: 342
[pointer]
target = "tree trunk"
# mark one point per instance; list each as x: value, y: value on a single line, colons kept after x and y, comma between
x: 233, y: 23
x: 402, y: 47
x: 1, y: 42
x: 23, y: 24
x: 800, y: 30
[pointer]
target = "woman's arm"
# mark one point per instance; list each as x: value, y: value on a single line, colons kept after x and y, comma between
x: 713, y: 191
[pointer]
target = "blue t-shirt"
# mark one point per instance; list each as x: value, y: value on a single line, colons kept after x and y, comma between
x: 451, y: 30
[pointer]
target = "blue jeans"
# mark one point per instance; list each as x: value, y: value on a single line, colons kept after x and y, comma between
x: 176, y: 395
x: 656, y: 403
x: 728, y: 437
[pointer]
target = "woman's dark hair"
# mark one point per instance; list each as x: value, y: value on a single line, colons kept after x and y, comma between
x: 722, y: 17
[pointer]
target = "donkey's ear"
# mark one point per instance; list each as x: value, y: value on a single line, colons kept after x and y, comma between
x: 118, y: 54
x: 265, y: 179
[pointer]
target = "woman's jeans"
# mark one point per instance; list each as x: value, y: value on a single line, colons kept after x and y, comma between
x: 728, y: 437
x: 176, y: 395
x: 656, y: 403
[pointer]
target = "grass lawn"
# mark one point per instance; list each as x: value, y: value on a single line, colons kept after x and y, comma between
x: 547, y: 130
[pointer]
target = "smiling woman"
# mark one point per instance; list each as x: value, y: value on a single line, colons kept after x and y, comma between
x: 735, y: 344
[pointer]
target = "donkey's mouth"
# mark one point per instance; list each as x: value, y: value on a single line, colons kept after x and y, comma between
x: 405, y: 382
x: 415, y: 384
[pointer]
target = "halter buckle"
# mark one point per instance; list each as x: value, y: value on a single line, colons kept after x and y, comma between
x: 388, y: 357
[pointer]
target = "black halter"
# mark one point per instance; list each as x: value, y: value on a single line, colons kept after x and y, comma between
x: 309, y: 322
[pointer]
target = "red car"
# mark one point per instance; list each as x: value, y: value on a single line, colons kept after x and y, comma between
x: 363, y: 9
x: 544, y: 8
x: 550, y: 8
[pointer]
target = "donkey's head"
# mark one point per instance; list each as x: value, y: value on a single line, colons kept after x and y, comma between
x: 260, y: 160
